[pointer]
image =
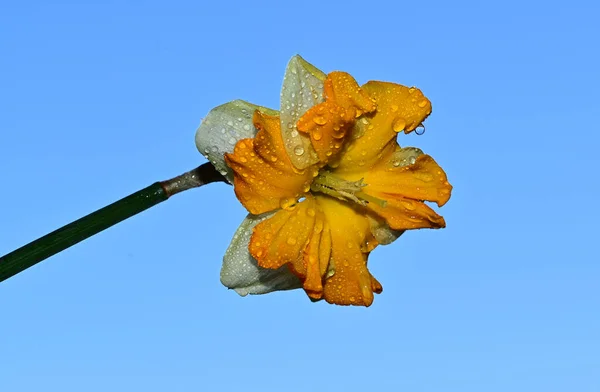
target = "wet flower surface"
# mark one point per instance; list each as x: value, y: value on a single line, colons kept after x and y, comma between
x: 324, y: 181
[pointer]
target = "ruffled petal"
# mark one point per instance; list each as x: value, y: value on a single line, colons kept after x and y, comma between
x: 297, y: 237
x: 421, y: 179
x: 349, y: 282
x: 302, y: 89
x: 328, y: 123
x: 241, y: 272
x: 399, y: 108
x: 404, y: 181
x: 222, y: 128
x: 265, y: 178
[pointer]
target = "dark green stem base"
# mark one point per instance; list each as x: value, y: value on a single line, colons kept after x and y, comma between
x: 77, y: 231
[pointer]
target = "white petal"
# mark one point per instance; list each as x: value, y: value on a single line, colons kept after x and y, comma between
x: 302, y: 88
x: 241, y: 272
x: 221, y: 129
x: 382, y: 232
x: 405, y: 156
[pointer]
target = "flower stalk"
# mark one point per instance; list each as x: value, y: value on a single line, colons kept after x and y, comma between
x: 83, y: 228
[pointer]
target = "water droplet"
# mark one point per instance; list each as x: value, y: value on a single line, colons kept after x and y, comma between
x: 247, y: 127
x: 310, y: 211
x: 243, y: 160
x: 298, y: 150
x: 394, y: 108
x: 411, y: 90
x: 412, y: 160
x: 320, y: 120
x: 231, y: 141
x: 291, y: 241
x: 273, y: 158
x: 399, y: 124
x: 317, y: 134
x: 294, y: 133
x: 420, y: 129
x: 240, y: 119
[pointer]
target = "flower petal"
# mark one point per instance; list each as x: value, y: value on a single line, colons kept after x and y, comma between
x: 399, y: 108
x: 328, y: 123
x: 265, y: 178
x: 302, y: 89
x: 299, y: 238
x: 382, y: 231
x: 222, y: 128
x: 404, y: 180
x: 241, y: 272
x: 351, y: 282
x: 421, y: 179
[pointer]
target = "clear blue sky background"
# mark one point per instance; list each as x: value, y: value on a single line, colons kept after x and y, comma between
x: 99, y: 99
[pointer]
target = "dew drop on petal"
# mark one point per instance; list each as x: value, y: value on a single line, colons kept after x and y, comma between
x: 399, y: 124
x: 317, y: 134
x: 422, y: 103
x: 394, y: 108
x: 299, y: 150
x: 320, y: 120
x: 291, y: 241
x: 420, y: 129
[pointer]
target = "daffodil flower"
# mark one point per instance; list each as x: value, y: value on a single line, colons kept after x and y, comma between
x: 324, y: 181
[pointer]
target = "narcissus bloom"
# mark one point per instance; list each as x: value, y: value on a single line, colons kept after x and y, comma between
x: 324, y: 181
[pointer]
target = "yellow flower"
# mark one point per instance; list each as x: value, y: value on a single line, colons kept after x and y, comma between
x: 324, y: 181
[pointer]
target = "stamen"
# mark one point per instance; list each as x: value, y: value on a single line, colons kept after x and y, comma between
x: 341, y: 189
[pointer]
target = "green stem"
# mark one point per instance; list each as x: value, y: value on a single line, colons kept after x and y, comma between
x: 77, y: 231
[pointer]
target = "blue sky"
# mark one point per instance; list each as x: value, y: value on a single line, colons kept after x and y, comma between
x: 99, y: 99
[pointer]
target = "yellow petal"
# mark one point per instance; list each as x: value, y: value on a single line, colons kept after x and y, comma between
x: 351, y: 241
x: 299, y: 237
x: 399, y: 108
x: 404, y: 214
x: 329, y: 122
x: 422, y: 180
x: 264, y: 177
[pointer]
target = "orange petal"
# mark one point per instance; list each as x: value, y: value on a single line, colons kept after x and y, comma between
x: 329, y: 122
x: 405, y: 214
x: 299, y: 237
x: 404, y: 186
x: 422, y: 180
x: 264, y: 177
x: 282, y: 238
x: 399, y: 108
x: 351, y: 282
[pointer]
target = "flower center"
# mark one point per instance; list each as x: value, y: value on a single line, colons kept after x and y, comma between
x: 329, y: 184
